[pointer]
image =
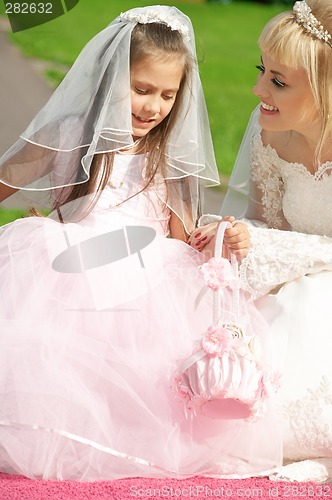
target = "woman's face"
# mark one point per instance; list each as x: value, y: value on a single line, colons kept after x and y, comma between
x: 154, y: 86
x: 287, y: 102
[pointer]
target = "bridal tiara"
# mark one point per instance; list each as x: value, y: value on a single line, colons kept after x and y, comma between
x: 156, y: 16
x: 310, y: 23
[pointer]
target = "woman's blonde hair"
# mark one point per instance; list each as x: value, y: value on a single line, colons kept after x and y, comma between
x: 286, y: 41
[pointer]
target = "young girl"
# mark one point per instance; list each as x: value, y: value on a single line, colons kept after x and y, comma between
x: 288, y: 267
x: 97, y: 304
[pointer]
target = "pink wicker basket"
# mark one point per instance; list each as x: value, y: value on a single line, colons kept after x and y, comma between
x: 224, y: 377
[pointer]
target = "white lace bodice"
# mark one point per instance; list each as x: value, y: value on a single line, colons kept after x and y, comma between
x: 290, y: 192
x: 288, y: 197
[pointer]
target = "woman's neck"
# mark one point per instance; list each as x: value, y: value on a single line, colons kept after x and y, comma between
x: 297, y: 147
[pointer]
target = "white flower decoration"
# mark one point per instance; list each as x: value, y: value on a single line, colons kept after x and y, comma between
x: 155, y: 16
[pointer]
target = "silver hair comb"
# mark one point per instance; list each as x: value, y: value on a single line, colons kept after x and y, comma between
x: 310, y: 23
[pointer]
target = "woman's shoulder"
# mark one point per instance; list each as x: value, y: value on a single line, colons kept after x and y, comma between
x: 266, y: 156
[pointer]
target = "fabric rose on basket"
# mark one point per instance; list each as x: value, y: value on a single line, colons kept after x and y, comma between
x: 217, y: 272
x: 217, y: 341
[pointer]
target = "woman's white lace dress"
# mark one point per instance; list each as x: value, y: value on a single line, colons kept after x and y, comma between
x: 288, y: 271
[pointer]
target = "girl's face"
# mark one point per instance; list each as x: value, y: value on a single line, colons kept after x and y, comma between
x: 154, y: 86
x: 286, y: 98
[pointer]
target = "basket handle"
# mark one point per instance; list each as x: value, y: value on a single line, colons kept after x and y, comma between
x: 222, y: 226
x: 217, y: 295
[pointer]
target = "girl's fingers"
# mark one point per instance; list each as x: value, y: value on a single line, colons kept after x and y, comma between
x: 228, y: 218
x: 238, y: 245
x: 237, y: 241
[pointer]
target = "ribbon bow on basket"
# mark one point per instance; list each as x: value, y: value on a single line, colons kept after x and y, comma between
x: 227, y: 375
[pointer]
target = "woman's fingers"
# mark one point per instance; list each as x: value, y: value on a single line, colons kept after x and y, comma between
x: 202, y: 235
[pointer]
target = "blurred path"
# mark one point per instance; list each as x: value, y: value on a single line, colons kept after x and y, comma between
x: 23, y: 92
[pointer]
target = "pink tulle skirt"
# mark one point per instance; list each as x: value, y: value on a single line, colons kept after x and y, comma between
x: 88, y: 361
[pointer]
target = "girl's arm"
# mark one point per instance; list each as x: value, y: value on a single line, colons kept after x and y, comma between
x: 6, y: 191
x: 176, y: 228
x: 30, y: 164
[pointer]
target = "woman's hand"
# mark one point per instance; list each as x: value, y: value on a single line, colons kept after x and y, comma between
x: 202, y: 236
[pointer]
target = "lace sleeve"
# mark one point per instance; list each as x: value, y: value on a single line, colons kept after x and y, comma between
x: 276, y: 257
x: 266, y: 186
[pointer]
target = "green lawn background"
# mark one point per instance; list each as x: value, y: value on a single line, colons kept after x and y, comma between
x: 226, y: 41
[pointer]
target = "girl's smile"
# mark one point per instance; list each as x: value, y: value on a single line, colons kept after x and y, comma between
x: 154, y: 86
x: 142, y: 121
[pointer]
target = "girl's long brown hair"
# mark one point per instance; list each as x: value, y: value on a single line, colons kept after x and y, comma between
x: 154, y: 41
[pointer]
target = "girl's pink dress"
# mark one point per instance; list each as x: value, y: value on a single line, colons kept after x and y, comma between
x: 88, y: 354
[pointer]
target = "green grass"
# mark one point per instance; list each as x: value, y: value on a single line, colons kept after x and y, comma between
x: 9, y: 215
x: 226, y: 40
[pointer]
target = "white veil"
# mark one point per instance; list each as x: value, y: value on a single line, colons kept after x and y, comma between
x: 90, y: 113
x: 237, y: 197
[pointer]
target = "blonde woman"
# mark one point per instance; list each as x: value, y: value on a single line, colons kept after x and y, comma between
x: 281, y: 188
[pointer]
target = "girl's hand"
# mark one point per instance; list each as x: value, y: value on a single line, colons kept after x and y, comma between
x: 203, y: 235
x: 236, y: 239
